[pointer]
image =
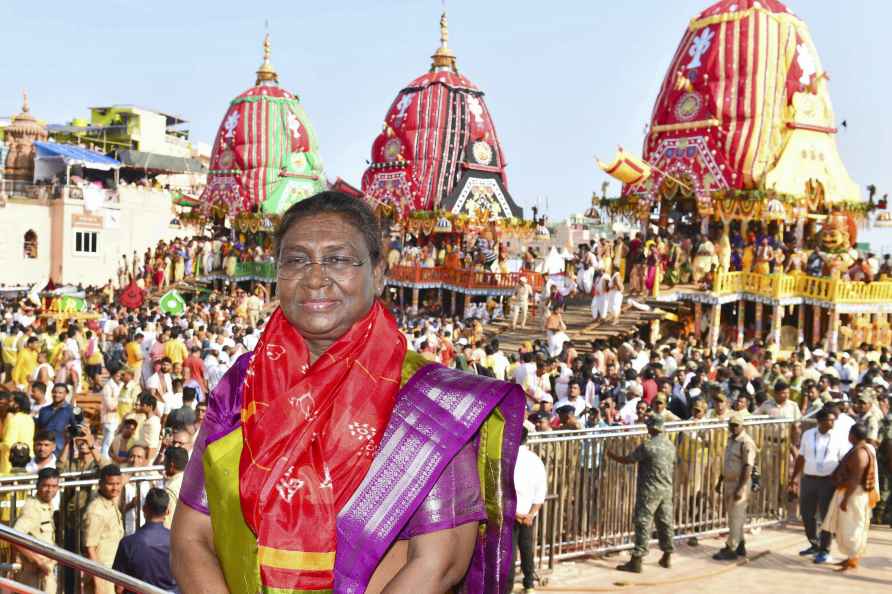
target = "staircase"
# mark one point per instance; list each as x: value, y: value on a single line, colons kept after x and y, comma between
x: 580, y: 327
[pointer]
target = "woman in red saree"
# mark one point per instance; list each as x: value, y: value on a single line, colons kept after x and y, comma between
x: 332, y: 459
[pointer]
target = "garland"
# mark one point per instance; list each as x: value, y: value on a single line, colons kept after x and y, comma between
x: 747, y: 204
x: 426, y: 222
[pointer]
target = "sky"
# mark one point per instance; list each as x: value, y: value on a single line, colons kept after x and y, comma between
x: 564, y: 80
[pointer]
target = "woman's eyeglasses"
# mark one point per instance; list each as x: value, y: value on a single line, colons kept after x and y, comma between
x: 336, y: 267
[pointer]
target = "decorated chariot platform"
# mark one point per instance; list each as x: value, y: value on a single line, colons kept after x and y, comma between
x: 786, y: 310
x: 468, y: 282
x: 740, y: 159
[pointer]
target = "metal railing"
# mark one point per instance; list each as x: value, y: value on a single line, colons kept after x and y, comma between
x: 69, y: 559
x: 76, y: 491
x: 591, y: 499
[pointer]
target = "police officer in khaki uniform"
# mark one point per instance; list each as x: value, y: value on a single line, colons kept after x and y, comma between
x: 36, y: 519
x: 661, y: 410
x: 722, y: 410
x: 104, y: 526
x: 737, y: 472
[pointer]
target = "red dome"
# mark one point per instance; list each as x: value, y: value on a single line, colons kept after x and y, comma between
x: 745, y: 80
x: 439, y: 149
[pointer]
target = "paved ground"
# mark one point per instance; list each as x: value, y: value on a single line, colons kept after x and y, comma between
x: 775, y: 568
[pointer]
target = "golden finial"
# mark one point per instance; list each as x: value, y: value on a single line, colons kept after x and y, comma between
x: 266, y: 72
x: 25, y: 107
x: 443, y: 58
x: 444, y: 31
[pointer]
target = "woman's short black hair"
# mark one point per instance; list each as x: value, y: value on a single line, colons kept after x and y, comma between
x: 354, y: 211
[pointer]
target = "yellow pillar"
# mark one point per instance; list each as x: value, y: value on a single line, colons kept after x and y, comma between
x: 800, y: 325
x: 816, y: 325
x: 759, y: 311
x: 777, y: 318
x: 415, y: 296
x: 698, y: 319
x: 654, y: 331
x: 832, y: 340
x: 741, y: 322
x: 715, y: 327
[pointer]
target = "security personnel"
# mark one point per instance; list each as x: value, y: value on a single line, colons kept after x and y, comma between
x: 868, y: 413
x: 653, y: 499
x: 660, y: 409
x: 36, y: 519
x: 722, y: 411
x: 737, y: 472
x: 104, y: 526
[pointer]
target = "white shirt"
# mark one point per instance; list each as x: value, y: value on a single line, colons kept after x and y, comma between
x: 522, y: 371
x: 33, y: 468
x: 822, y: 452
x: 841, y: 427
x: 578, y: 404
x: 562, y: 382
x: 629, y: 412
x: 499, y: 364
x: 530, y: 480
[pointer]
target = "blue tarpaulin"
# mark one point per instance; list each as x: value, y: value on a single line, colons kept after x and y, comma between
x: 75, y: 155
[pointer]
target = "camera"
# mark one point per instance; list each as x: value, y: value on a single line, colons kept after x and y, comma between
x: 77, y: 419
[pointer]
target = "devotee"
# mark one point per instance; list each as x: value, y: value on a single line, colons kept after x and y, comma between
x: 175, y: 460
x: 57, y: 417
x: 531, y: 484
x: 323, y: 345
x: 44, y: 455
x: 857, y: 492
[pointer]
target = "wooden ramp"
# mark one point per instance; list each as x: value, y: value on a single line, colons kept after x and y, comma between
x: 580, y: 327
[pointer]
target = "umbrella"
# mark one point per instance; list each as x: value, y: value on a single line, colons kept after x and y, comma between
x: 173, y: 303
x: 131, y: 296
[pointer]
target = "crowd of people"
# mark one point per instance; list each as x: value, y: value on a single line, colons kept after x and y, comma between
x: 189, y: 259
x: 148, y: 377
x: 152, y: 375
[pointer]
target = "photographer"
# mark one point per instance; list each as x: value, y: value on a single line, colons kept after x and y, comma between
x: 85, y: 456
x: 84, y: 459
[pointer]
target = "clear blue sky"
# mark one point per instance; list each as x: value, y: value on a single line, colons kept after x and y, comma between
x: 564, y: 80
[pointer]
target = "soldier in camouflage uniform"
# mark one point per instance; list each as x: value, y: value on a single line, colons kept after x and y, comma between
x: 882, y: 513
x: 868, y: 413
x: 653, y: 499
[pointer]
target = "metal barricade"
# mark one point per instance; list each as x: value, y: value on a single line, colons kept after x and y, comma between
x: 76, y: 491
x: 591, y: 499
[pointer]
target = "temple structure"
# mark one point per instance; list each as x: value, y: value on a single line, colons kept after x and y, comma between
x: 438, y: 149
x: 741, y: 147
x: 266, y: 155
x: 745, y: 106
x: 21, y: 134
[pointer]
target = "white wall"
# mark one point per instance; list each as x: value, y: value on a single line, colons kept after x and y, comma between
x: 20, y: 215
x: 139, y: 220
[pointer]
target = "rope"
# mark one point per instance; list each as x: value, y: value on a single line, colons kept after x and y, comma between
x: 620, y: 586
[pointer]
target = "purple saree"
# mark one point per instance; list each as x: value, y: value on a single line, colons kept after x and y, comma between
x: 448, y: 429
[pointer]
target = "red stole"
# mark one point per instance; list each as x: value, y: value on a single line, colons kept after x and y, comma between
x: 310, y: 433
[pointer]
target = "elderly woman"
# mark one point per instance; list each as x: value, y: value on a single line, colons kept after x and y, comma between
x: 333, y: 459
